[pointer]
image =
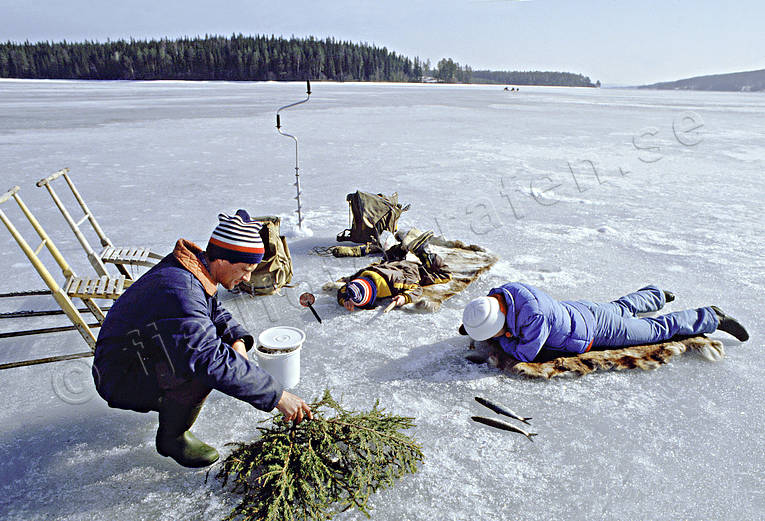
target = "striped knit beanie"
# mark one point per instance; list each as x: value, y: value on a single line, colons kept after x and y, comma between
x: 237, y: 239
x: 361, y: 291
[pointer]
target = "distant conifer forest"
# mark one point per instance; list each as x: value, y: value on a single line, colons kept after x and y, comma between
x: 245, y: 58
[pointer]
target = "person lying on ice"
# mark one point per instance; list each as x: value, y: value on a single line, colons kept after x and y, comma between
x: 167, y: 341
x: 395, y: 277
x: 525, y: 319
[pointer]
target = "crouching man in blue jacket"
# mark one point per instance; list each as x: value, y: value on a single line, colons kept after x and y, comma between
x: 167, y: 341
x: 525, y: 319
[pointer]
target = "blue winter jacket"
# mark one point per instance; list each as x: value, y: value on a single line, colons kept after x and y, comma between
x: 536, y: 320
x: 171, y: 316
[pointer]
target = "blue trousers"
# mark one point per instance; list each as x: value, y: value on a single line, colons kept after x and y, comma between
x: 616, y: 324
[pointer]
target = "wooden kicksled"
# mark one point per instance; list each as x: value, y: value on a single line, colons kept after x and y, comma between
x: 121, y: 257
x: 86, y: 289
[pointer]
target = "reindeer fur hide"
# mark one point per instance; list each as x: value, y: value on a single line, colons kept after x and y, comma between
x: 644, y: 357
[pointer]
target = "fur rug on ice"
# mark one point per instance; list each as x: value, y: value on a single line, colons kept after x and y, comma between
x: 465, y: 261
x: 644, y: 357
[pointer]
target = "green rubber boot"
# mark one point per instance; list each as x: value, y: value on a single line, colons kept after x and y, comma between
x: 174, y: 439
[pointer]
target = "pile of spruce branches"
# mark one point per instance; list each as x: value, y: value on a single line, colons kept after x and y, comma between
x: 320, y: 467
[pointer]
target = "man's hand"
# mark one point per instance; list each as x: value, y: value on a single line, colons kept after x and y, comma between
x: 348, y: 305
x: 400, y: 300
x: 240, y: 348
x: 293, y: 408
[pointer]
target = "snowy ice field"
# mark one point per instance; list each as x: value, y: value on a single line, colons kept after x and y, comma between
x: 586, y: 193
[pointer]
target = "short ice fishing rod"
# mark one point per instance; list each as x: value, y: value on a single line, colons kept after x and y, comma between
x: 297, y: 168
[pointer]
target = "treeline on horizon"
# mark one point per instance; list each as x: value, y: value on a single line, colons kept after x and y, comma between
x: 245, y: 58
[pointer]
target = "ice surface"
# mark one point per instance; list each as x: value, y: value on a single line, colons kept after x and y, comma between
x: 566, y: 185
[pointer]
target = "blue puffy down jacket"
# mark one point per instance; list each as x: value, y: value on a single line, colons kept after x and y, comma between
x: 536, y: 320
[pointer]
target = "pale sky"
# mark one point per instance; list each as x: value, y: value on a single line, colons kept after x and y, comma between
x: 616, y: 42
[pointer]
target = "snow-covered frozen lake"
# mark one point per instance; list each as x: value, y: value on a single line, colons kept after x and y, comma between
x: 585, y: 193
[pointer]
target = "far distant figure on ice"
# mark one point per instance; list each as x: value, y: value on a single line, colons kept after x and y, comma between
x: 167, y: 342
x: 395, y: 277
x: 525, y: 320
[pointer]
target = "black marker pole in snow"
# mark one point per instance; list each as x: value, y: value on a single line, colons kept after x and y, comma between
x: 297, y: 168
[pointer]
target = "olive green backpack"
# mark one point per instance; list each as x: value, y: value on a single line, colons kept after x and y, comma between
x: 371, y: 214
x: 275, y: 270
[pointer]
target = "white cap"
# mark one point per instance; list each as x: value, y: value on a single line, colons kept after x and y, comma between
x: 483, y: 318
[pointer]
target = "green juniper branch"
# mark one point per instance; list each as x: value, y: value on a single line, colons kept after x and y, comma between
x: 318, y: 468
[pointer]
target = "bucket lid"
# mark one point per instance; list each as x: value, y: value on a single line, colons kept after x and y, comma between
x: 281, y: 337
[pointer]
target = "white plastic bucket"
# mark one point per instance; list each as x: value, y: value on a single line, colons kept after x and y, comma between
x: 282, y: 356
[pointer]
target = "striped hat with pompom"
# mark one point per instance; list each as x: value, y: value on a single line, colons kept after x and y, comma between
x: 237, y: 239
x: 361, y: 291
